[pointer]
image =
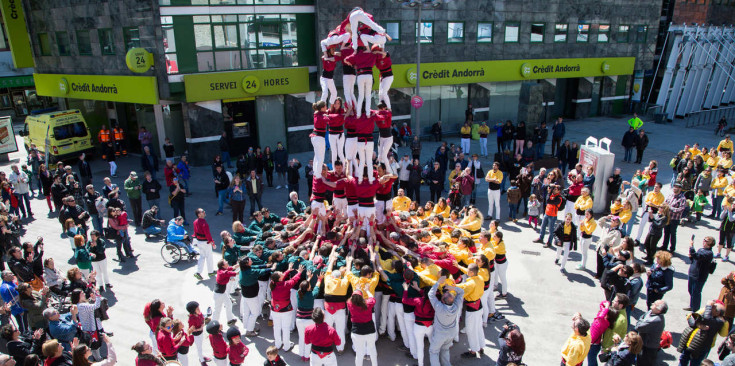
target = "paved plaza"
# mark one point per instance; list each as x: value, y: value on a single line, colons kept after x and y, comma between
x: 541, y: 300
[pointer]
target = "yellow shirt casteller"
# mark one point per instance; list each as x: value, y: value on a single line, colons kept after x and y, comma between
x: 583, y: 203
x: 655, y: 199
x: 401, y: 204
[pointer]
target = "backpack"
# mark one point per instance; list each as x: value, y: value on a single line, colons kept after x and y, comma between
x: 101, y: 205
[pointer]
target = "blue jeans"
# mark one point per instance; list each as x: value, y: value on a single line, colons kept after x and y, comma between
x: 670, y: 235
x: 24, y: 203
x: 592, y: 355
x: 540, y: 147
x: 695, y: 287
x: 97, y: 222
x: 717, y: 206
x: 503, y: 182
x: 184, y: 184
x: 524, y: 204
x: 686, y: 359
x: 153, y: 230
x: 226, y: 159
x: 39, y: 185
x: 513, y: 210
x: 549, y: 221
x: 254, y: 199
x: 185, y: 245
x: 221, y: 198
x: 628, y: 154
x: 473, y: 196
x: 466, y: 199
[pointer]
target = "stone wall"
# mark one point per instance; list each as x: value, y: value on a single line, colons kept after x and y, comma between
x: 614, y: 12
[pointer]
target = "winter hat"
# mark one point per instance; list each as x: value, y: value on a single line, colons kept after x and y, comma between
x: 213, y: 327
x: 233, y: 332
x: 192, y: 306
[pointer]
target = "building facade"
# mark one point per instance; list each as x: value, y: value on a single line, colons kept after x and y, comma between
x: 250, y: 67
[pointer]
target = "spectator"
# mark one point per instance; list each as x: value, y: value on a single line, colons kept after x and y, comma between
x: 677, y: 203
x: 509, y: 132
x: 699, y: 270
x: 660, y: 278
x: 469, y: 113
x: 577, y: 346
x: 649, y: 327
x: 309, y: 176
x: 21, y: 185
x: 133, y: 188
x: 293, y: 175
x: 442, y: 157
x: 149, y: 162
x: 700, y: 335
x: 268, y: 165
x: 85, y: 170
x: 559, y: 130
x: 169, y: 172
x: 62, y: 328
x: 641, y: 143
x: 436, y: 181
x: 414, y: 181
x: 236, y: 192
x: 540, y: 135
x: 613, y: 188
x: 176, y: 199
x: 280, y: 157
x: 466, y: 185
x: 436, y: 130
x: 145, y: 138
x: 520, y: 137
x: 405, y: 133
x: 221, y: 184
x: 224, y: 148
x: 629, y: 142
x: 151, y: 225
x: 294, y: 204
x: 255, y: 190
x: 476, y: 168
x: 404, y: 172
x: 168, y: 149
x: 152, y: 190
x: 184, y: 173
x: 499, y: 136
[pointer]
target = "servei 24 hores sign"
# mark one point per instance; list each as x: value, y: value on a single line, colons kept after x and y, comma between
x: 509, y: 70
x: 242, y: 84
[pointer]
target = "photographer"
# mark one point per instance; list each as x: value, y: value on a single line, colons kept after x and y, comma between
x: 511, y: 344
x: 151, y: 224
x: 21, y: 346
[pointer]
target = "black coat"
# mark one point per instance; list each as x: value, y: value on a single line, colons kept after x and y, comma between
x: 147, y: 164
x: 436, y: 175
x: 629, y: 139
x: 85, y: 170
x: 154, y: 185
x: 641, y: 142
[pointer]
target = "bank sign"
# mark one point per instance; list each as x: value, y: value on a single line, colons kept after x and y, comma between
x: 243, y: 84
x: 509, y: 70
x: 112, y: 88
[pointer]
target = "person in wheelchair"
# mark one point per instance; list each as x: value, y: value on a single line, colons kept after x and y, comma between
x: 151, y: 224
x: 176, y: 234
x: 55, y: 281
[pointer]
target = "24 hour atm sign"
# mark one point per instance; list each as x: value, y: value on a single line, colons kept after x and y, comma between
x: 242, y: 84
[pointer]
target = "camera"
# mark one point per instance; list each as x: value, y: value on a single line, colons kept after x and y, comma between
x: 510, y: 325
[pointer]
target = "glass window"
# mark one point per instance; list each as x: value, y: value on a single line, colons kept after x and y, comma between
x: 84, y: 44
x: 623, y: 31
x: 425, y: 32
x: 583, y: 33
x: 560, y: 33
x: 248, y: 36
x: 227, y: 60
x: 288, y: 31
x: 393, y: 29
x: 62, y: 43
x: 225, y: 36
x: 537, y: 32
x: 203, y: 37
x: 107, y: 41
x: 131, y: 36
x: 205, y: 61
x: 640, y: 33
x: 455, y: 32
x: 78, y: 129
x: 484, y: 32
x: 44, y: 44
x: 269, y: 31
x: 603, y: 33
x: 511, y: 32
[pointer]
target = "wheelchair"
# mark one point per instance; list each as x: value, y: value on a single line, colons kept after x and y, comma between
x: 172, y: 253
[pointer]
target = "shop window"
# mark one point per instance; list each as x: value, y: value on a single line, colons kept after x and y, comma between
x: 425, y: 32
x: 623, y: 32
x: 393, y: 29
x: 484, y: 32
x: 289, y: 35
x: 225, y: 36
x: 455, y: 32
x: 203, y: 37
x: 640, y: 33
x: 511, y: 32
x: 107, y: 41
x: 537, y: 32
x: 62, y: 43
x: 560, y: 33
x: 44, y: 44
x: 131, y: 37
x: 583, y: 33
x: 603, y: 33
x: 169, y: 45
x: 84, y: 43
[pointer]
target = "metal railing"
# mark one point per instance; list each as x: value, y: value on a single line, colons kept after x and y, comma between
x: 711, y: 116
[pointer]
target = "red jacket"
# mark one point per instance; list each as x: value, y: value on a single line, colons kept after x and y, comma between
x: 363, y: 62
x: 366, y: 125
x: 386, y: 188
x: 335, y: 122
x: 385, y: 119
x: 423, y: 311
x: 321, y: 120
x: 237, y: 353
x: 384, y: 64
x: 281, y: 294
x: 201, y: 230
x: 321, y: 336
x: 166, y: 343
x: 360, y: 315
x: 466, y: 183
x: 224, y: 275
x: 406, y: 131
x: 339, y: 191
x: 196, y: 320
x: 366, y: 192
x: 351, y: 126
x: 350, y: 187
x: 318, y: 189
x: 219, y: 346
x: 329, y: 63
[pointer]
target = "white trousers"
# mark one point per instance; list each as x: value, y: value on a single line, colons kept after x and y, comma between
x: 395, y: 311
x: 337, y: 147
x: 419, y: 332
x: 565, y: 249
x: 641, y: 225
x: 381, y: 207
x: 328, y: 90
x: 364, y: 89
x: 488, y: 301
x: 377, y: 39
x: 205, y: 256
x: 262, y: 292
x: 585, y: 243
x: 475, y: 334
x: 340, y: 205
x: 113, y: 168
x: 351, y: 153
x: 382, y: 308
x: 222, y: 362
x: 85, y: 272
x: 483, y: 146
x: 103, y: 278
x: 304, y: 349
x: 221, y: 300
x: 384, y: 144
x: 250, y: 309
x: 409, y: 320
x: 365, y: 151
x: 183, y: 359
x: 364, y: 344
x: 333, y: 40
x: 357, y: 17
x: 198, y: 339
x: 294, y: 300
x: 385, y: 84
x: 330, y: 360
x: 493, y: 200
x: 338, y: 321
x: 465, y: 145
x: 348, y: 84
x: 281, y: 327
x: 501, y: 269
x: 319, y: 146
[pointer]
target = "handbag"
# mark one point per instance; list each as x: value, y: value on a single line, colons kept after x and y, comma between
x: 604, y: 356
